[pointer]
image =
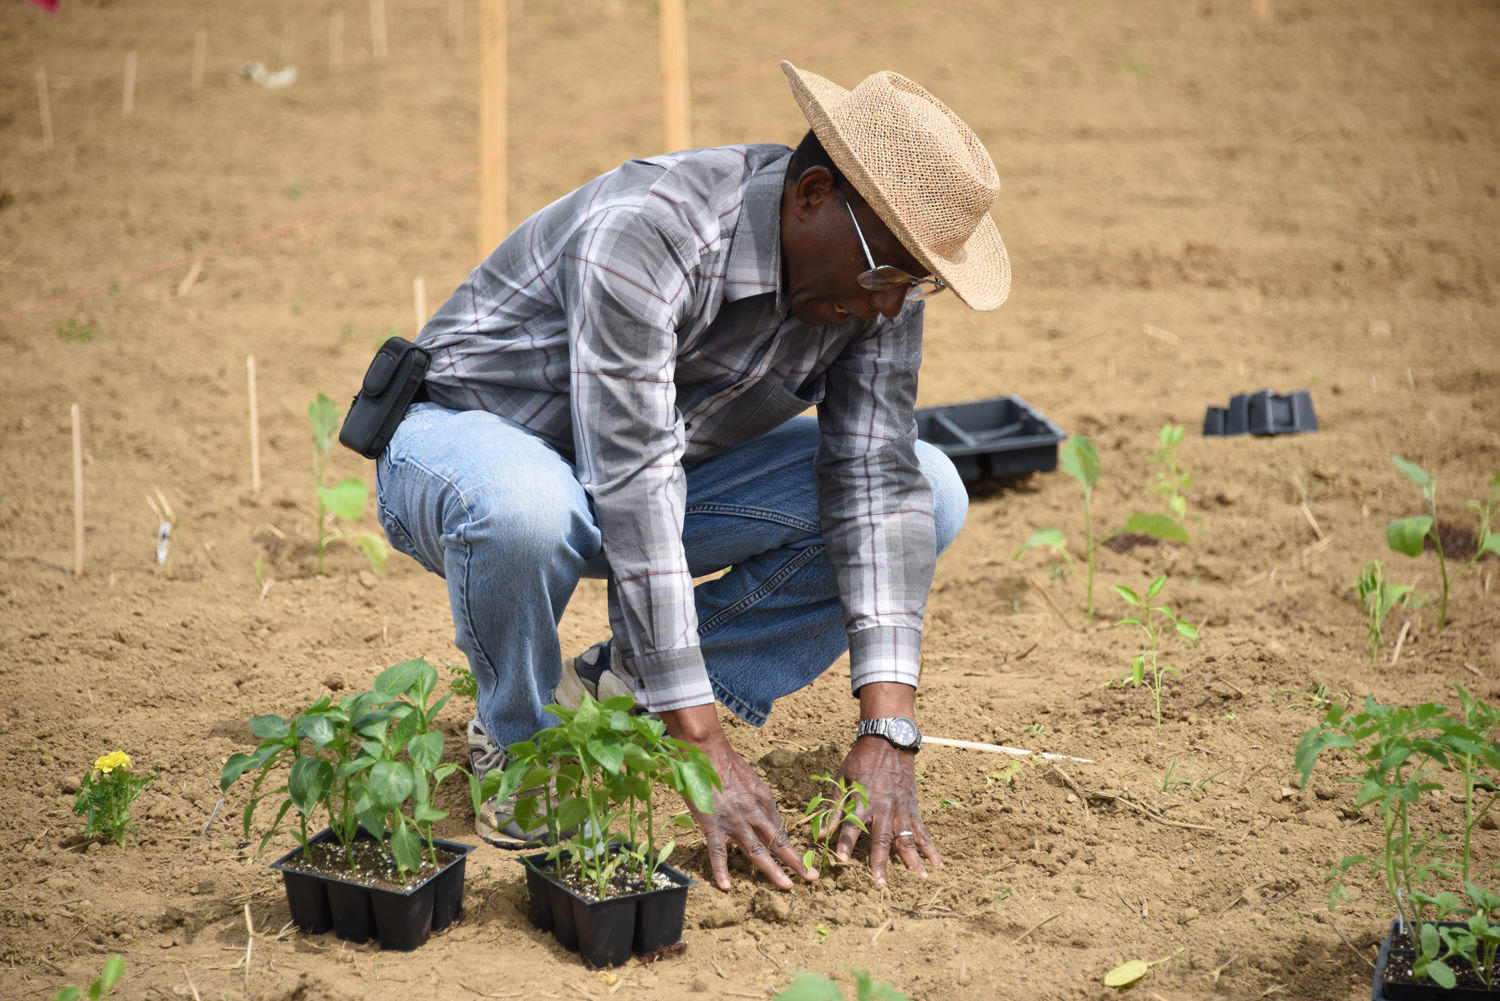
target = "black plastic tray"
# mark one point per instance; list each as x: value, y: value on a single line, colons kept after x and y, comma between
x: 999, y: 437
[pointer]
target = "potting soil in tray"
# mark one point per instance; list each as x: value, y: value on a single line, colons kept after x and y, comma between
x: 371, y: 865
x: 1393, y: 981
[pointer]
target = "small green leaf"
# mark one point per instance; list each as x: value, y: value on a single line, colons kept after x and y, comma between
x: 308, y: 783
x: 407, y: 848
x: 1158, y: 526
x: 318, y: 729
x: 1079, y: 460
x: 390, y: 783
x: 398, y: 679
x: 323, y: 414
x: 374, y: 549
x: 1049, y: 538
x: 1127, y: 594
x: 1126, y: 973
x: 1187, y: 630
x: 1405, y: 535
x: 426, y: 749
x: 1442, y: 974
x: 114, y: 969
x: 345, y: 499
x: 270, y: 727
x: 1156, y: 586
x: 808, y: 987
x: 68, y: 994
x: 1414, y: 472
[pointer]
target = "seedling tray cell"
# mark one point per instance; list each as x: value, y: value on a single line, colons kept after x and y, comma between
x: 998, y: 437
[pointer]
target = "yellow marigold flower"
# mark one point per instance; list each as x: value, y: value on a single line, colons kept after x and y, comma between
x: 111, y: 761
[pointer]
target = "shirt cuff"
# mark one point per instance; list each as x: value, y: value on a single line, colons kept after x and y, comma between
x: 885, y: 653
x: 671, y: 679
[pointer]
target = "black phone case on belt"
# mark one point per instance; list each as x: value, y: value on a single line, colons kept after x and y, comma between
x: 390, y: 383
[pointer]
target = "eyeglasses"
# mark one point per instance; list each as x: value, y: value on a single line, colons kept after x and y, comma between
x: 882, y: 277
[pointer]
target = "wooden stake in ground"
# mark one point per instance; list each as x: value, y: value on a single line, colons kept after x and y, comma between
x: 378, y: 48
x: 492, y: 97
x: 336, y: 41
x: 200, y: 56
x: 77, y: 492
x: 254, y: 428
x: 419, y: 302
x: 44, y: 102
x: 674, y: 75
x: 131, y: 62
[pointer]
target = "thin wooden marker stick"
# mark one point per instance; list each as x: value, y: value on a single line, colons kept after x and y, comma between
x: 131, y: 62
x: 44, y: 103
x: 254, y: 428
x: 336, y: 41
x: 455, y: 22
x: 492, y: 124
x: 674, y: 75
x: 77, y: 492
x: 974, y: 745
x: 200, y: 56
x: 378, y: 48
x: 1400, y: 639
x: 419, y: 301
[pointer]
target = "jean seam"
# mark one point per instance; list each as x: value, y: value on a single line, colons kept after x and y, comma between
x: 736, y: 705
x: 759, y: 513
x: 770, y: 584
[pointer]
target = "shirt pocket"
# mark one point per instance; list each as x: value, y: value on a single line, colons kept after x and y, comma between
x: 759, y: 409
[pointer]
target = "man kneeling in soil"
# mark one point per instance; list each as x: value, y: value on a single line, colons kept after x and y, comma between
x: 614, y: 393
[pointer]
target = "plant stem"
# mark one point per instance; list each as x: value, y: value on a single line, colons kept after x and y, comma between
x: 1088, y: 546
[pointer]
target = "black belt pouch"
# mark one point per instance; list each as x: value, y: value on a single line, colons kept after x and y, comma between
x: 390, y: 383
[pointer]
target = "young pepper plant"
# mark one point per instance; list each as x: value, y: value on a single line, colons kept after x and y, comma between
x: 1409, y: 535
x: 1080, y: 460
x: 1146, y: 667
x: 344, y: 500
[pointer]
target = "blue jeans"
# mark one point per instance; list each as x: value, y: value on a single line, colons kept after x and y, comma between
x: 500, y: 514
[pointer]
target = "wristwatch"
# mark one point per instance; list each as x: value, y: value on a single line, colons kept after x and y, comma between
x: 901, y: 731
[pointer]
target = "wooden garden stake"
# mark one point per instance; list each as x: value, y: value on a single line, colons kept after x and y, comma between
x: 77, y: 492
x: 419, y: 301
x: 200, y: 56
x: 974, y: 745
x: 254, y: 428
x: 131, y: 62
x: 674, y: 75
x: 378, y: 48
x: 336, y: 41
x: 492, y: 115
x: 44, y: 102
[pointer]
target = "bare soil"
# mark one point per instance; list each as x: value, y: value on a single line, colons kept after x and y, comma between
x: 1198, y: 202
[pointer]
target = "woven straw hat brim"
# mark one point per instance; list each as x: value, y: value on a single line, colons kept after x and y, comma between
x: 978, y: 270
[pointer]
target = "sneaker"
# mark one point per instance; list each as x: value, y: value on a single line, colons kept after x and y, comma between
x: 598, y: 672
x: 495, y: 823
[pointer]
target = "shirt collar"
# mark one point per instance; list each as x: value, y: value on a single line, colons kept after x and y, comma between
x: 754, y: 264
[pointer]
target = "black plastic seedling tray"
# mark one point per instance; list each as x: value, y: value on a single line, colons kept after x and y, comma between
x: 998, y: 437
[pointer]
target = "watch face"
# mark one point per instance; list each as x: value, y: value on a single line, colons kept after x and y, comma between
x: 902, y: 731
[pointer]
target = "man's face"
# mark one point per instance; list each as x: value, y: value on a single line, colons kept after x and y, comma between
x: 823, y: 257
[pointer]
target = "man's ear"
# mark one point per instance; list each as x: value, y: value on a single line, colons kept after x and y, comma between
x: 810, y: 191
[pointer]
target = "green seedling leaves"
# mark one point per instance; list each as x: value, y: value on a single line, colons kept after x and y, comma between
x: 270, y: 727
x: 1047, y: 538
x: 1079, y: 459
x: 1415, y: 473
x: 1405, y: 535
x: 345, y: 500
x: 323, y: 414
x: 1158, y: 526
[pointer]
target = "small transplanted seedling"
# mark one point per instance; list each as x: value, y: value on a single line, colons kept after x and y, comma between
x: 1080, y: 460
x: 1408, y: 535
x: 1381, y: 597
x: 811, y: 987
x: 825, y: 815
x: 114, y: 969
x: 1146, y: 667
x: 344, y: 500
x: 1170, y: 483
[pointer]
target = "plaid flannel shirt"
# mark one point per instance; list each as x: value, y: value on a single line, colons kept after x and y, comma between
x: 638, y: 324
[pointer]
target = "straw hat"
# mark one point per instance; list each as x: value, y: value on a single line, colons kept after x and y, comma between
x: 922, y: 170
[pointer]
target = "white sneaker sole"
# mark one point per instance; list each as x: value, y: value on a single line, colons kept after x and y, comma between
x: 571, y: 688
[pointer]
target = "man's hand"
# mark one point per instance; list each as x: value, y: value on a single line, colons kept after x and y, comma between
x: 890, y: 777
x: 744, y: 809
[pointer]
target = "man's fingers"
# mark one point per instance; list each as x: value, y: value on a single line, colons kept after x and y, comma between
x: 783, y: 849
x: 718, y: 858
x: 843, y: 848
x: 906, y: 846
x: 930, y: 849
x: 880, y: 853
x: 755, y: 850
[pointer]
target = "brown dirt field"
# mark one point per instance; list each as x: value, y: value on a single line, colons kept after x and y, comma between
x: 1197, y: 203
